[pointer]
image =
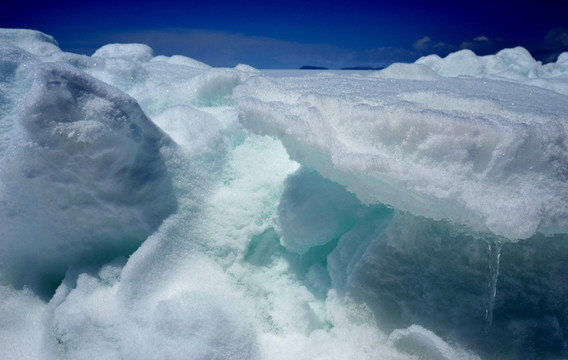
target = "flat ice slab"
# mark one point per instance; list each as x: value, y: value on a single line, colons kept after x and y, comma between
x: 487, y: 153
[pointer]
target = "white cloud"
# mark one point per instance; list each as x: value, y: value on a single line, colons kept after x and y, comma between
x: 426, y: 45
x: 422, y: 44
x: 481, y: 38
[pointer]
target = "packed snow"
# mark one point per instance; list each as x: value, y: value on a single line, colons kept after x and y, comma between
x: 154, y: 207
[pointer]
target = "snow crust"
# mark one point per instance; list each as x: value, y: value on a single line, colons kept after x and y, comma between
x: 144, y: 214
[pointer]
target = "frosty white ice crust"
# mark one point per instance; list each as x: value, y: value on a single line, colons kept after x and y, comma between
x: 490, y: 154
x: 236, y: 252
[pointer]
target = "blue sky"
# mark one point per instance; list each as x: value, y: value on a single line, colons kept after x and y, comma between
x: 289, y: 34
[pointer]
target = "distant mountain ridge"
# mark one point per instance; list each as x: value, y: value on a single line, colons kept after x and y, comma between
x: 311, y: 67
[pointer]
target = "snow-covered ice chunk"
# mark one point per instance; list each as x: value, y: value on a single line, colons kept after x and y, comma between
x: 131, y: 52
x: 514, y: 64
x: 32, y: 41
x: 82, y: 180
x: 488, y: 154
x: 182, y: 60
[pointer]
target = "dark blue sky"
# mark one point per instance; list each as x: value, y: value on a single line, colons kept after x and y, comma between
x: 288, y: 34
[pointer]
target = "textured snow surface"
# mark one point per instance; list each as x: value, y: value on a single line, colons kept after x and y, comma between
x: 144, y: 214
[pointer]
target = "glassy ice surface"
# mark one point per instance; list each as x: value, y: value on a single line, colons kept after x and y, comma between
x: 155, y: 207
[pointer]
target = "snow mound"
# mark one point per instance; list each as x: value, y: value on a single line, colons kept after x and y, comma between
x: 182, y: 60
x: 132, y: 52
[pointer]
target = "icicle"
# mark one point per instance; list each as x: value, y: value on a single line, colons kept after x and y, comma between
x: 494, y: 255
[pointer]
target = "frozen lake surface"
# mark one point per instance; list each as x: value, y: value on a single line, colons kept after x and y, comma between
x: 155, y: 207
